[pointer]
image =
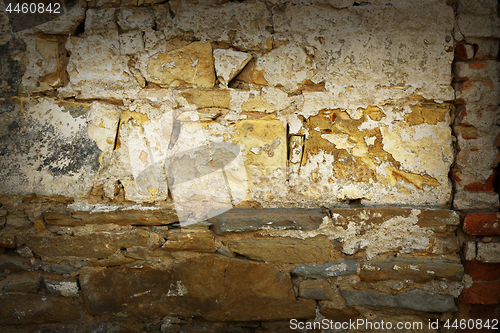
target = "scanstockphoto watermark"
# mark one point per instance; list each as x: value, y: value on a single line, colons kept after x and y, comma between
x: 361, y: 324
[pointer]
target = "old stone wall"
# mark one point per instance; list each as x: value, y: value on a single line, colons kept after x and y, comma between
x: 248, y: 166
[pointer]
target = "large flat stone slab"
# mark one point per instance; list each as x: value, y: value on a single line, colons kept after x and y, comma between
x: 28, y: 309
x: 94, y: 245
x: 410, y: 268
x: 286, y: 250
x: 216, y: 289
x: 416, y: 299
x: 245, y: 220
x: 327, y: 269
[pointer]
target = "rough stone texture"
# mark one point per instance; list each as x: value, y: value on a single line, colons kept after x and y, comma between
x: 100, y: 21
x: 25, y: 309
x: 488, y: 252
x: 244, y: 220
x: 242, y: 24
x: 229, y: 63
x: 196, y: 241
x: 287, y: 250
x: 49, y: 141
x: 135, y: 18
x: 104, y: 243
x: 179, y: 292
x: 124, y: 217
x: 326, y: 270
x: 97, y: 69
x: 415, y: 299
x: 190, y: 66
x: 13, y: 68
x: 410, y: 268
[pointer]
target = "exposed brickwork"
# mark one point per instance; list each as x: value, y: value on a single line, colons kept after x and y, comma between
x: 482, y: 224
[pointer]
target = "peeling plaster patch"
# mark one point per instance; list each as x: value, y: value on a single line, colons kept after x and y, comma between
x: 396, y: 234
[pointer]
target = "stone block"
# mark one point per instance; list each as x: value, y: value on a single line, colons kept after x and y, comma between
x: 410, y: 268
x: 464, y: 200
x: 30, y: 309
x: 229, y: 63
x: 50, y: 141
x: 482, y: 224
x: 477, y: 7
x: 44, y: 70
x: 222, y: 290
x: 99, y: 21
x: 326, y: 270
x: 131, y: 42
x: 248, y: 22
x: 322, y: 290
x: 446, y: 243
x: 481, y: 293
x: 245, y: 220
x: 196, y: 241
x: 470, y: 250
x: 286, y: 250
x: 104, y: 244
x: 18, y: 220
x: 7, y: 241
x: 126, y: 217
x: 13, y: 262
x: 79, y: 328
x: 13, y: 68
x: 98, y: 75
x: 23, y: 287
x: 190, y: 66
x: 61, y: 287
x: 479, y: 26
x: 135, y: 18
x: 488, y: 252
x: 207, y: 98
x: 480, y: 272
x: 416, y: 299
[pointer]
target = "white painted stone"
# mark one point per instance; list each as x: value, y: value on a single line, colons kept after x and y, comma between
x: 228, y: 64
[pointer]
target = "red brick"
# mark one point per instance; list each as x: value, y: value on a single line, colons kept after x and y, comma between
x: 461, y: 52
x: 482, y: 186
x: 483, y: 312
x: 481, y: 293
x: 496, y: 143
x: 479, y: 271
x: 482, y: 224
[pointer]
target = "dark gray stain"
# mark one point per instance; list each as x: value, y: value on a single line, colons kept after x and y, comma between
x: 7, y: 106
x: 12, y: 68
x: 42, y: 143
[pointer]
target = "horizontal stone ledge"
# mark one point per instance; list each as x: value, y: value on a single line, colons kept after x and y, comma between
x: 247, y: 220
x: 326, y: 270
x: 437, y: 220
x: 244, y: 220
x: 416, y: 299
x: 410, y: 268
x: 122, y: 217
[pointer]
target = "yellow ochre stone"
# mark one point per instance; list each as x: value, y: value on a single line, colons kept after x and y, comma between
x: 190, y: 66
